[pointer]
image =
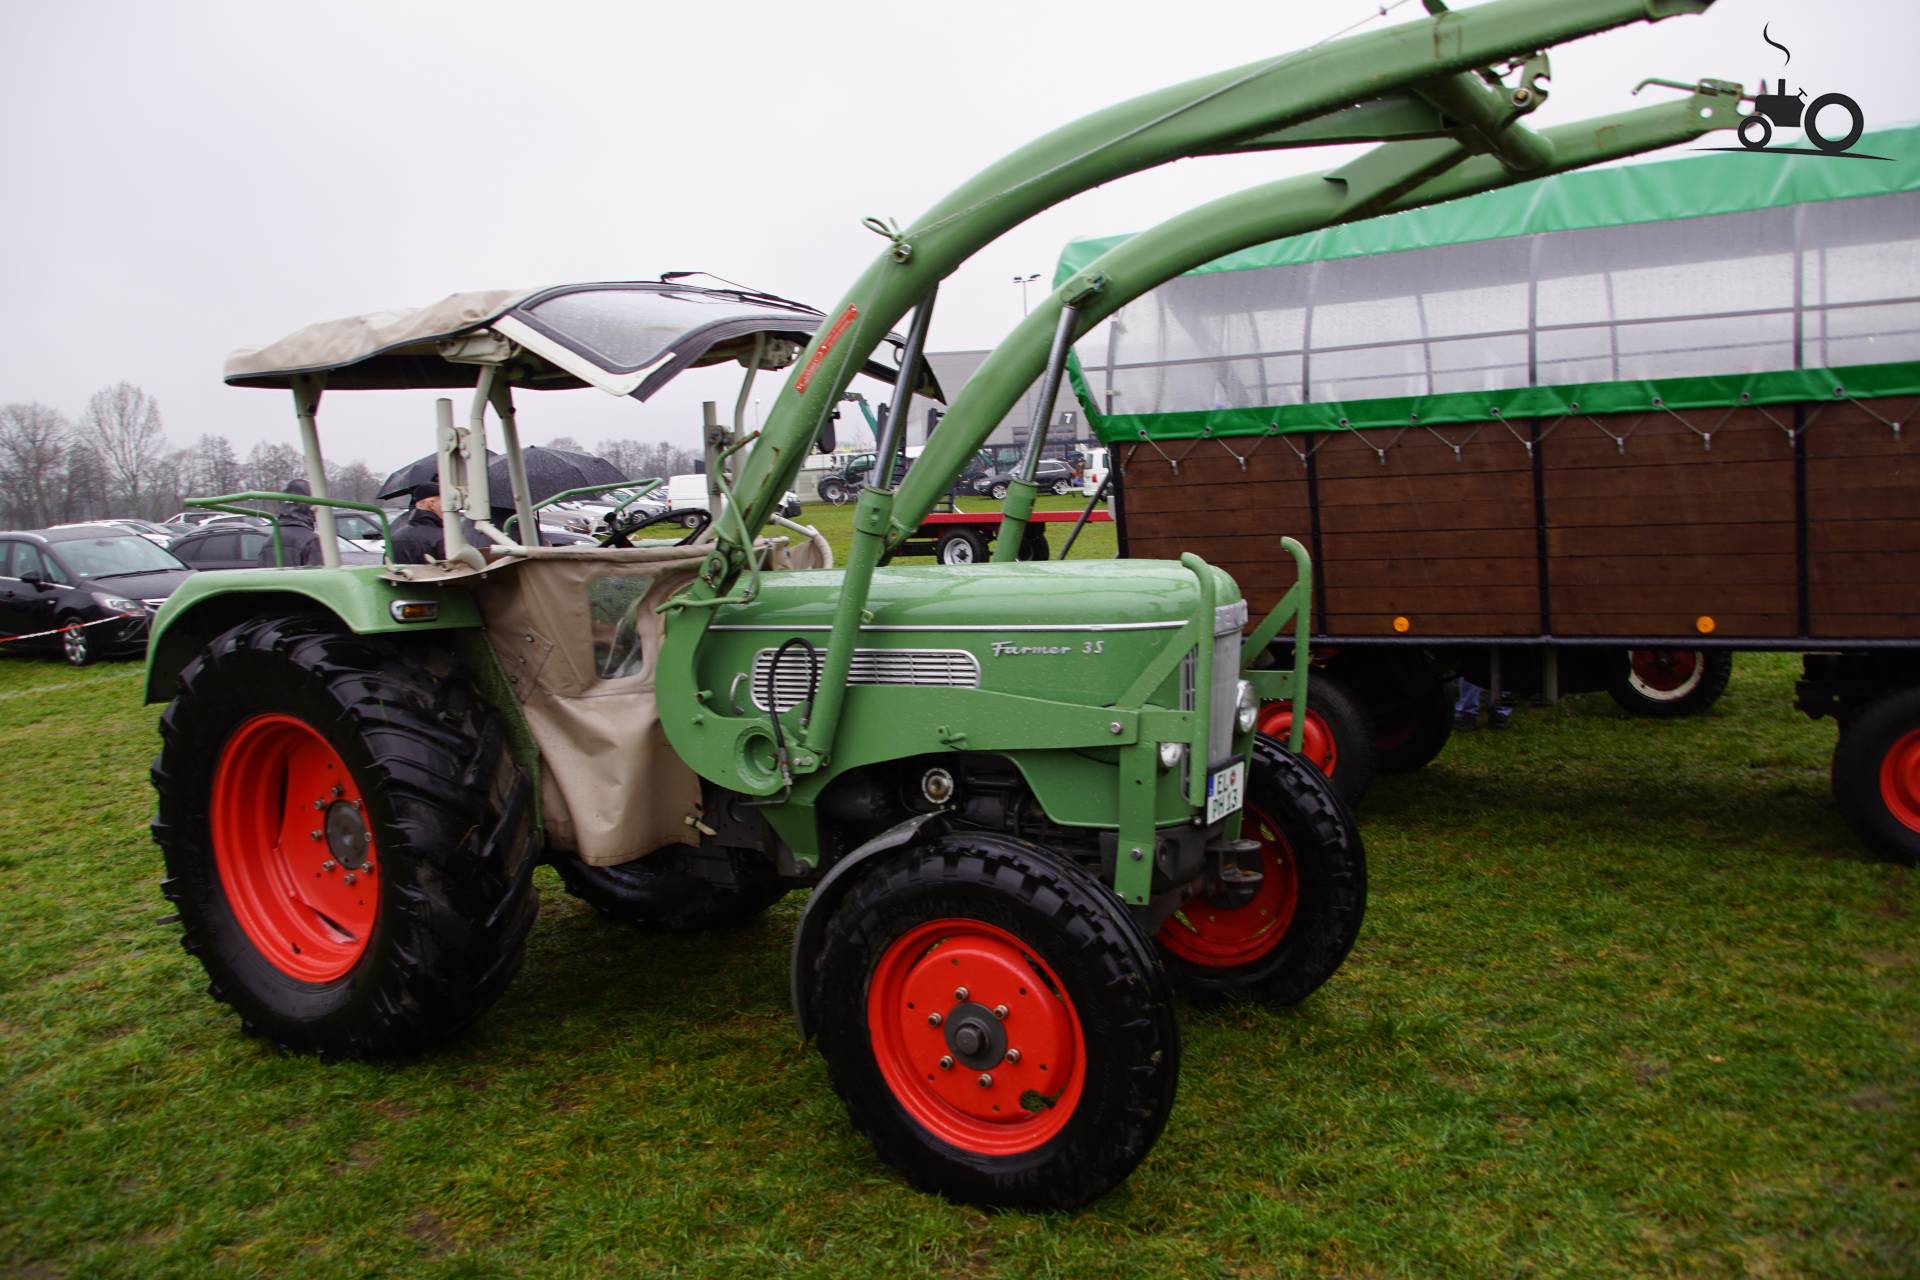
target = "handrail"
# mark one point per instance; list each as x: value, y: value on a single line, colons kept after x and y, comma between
x: 224, y: 503
x: 1296, y: 606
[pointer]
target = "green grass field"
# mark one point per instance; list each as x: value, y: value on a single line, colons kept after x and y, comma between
x: 1628, y: 1001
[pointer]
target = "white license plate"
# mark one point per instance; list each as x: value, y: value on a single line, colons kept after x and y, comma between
x: 1226, y: 791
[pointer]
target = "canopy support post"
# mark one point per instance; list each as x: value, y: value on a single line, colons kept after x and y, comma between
x: 502, y: 396
x: 306, y: 407
x: 453, y: 489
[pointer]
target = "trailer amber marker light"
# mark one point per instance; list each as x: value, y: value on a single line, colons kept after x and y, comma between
x: 414, y: 610
x: 1704, y: 625
x: 1402, y: 625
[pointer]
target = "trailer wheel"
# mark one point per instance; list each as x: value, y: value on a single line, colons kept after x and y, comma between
x: 1876, y: 775
x: 998, y: 492
x: 961, y: 546
x: 1033, y: 544
x: 1337, y: 738
x: 1671, y: 682
x: 1415, y: 729
x: 663, y: 891
x: 996, y: 1023
x: 1302, y: 920
x: 346, y: 839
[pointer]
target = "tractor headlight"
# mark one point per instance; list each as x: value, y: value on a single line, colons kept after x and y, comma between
x: 1247, y: 710
x: 1171, y: 754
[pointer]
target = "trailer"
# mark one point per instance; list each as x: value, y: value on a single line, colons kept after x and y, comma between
x: 1600, y: 432
x: 967, y: 537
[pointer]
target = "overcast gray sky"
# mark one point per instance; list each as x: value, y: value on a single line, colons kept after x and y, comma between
x: 186, y: 178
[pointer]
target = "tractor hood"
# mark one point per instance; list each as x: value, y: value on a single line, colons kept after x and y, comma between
x: 1077, y: 595
x: 1081, y: 630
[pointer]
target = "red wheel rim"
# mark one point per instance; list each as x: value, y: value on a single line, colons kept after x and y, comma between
x: 1900, y: 780
x: 1665, y: 673
x: 1039, y: 1069
x: 1317, y: 743
x: 290, y: 842
x: 1222, y: 937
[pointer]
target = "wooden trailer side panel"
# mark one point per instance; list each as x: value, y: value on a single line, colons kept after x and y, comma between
x: 1665, y: 524
x: 1715, y: 522
x: 1863, y: 519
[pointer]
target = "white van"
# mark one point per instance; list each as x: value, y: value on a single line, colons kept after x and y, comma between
x: 688, y: 493
x: 1096, y: 473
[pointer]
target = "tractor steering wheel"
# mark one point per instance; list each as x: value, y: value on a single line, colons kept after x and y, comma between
x: 622, y: 535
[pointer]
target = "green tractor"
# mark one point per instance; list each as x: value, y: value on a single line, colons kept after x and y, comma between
x: 1027, y: 797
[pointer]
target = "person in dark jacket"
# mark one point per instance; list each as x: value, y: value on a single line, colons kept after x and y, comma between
x: 422, y: 536
x: 299, y: 543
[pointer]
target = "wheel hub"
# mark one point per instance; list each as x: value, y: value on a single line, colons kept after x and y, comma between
x: 977, y: 1038
x: 347, y: 835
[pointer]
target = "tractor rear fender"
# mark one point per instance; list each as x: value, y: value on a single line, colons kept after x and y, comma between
x: 359, y: 598
x: 826, y: 898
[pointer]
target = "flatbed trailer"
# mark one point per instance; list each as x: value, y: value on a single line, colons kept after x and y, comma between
x: 967, y: 537
x: 1598, y: 433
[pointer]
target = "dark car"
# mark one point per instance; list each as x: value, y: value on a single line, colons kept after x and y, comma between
x: 87, y: 592
x: 229, y: 546
x: 1052, y: 475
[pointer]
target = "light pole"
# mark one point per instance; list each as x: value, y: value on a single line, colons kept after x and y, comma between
x: 1023, y: 282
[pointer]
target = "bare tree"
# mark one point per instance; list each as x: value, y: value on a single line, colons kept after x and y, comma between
x: 354, y: 482
x: 33, y: 446
x: 636, y: 460
x: 566, y: 442
x: 122, y: 423
x: 83, y: 485
x: 216, y: 467
x: 270, y: 466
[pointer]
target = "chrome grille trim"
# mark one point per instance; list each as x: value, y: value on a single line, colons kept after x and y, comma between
x: 950, y: 668
x: 1226, y: 694
x: 1230, y: 617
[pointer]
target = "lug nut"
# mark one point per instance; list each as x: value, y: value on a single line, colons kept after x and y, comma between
x: 986, y: 1081
x: 1000, y: 1011
x: 946, y: 1063
x: 328, y: 865
x: 319, y: 805
x: 351, y: 878
x: 959, y: 993
x: 934, y: 1019
x: 313, y: 835
x: 338, y: 791
x: 1013, y: 1056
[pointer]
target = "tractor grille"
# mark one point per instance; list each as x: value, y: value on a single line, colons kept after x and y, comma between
x: 951, y: 667
x: 1224, y: 698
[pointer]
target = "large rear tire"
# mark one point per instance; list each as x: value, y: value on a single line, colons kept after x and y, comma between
x: 996, y: 1023
x: 1876, y: 775
x: 1337, y: 738
x: 1671, y: 682
x: 1412, y: 730
x: 664, y: 892
x: 1296, y: 931
x: 347, y: 839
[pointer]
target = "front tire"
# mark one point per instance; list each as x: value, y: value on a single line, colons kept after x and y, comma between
x: 1337, y: 738
x: 662, y: 892
x: 1299, y: 926
x: 834, y: 492
x: 996, y: 1023
x: 1671, y: 682
x: 1876, y: 775
x: 346, y: 839
x: 998, y: 493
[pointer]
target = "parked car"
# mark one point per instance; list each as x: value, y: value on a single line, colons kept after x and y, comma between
x: 1052, y: 475
x: 159, y: 535
x: 182, y: 521
x: 228, y: 547
x: 1098, y: 462
x: 85, y: 591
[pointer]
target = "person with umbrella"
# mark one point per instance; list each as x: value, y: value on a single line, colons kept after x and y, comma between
x: 422, y: 536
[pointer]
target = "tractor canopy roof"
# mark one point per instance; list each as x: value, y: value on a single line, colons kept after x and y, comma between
x: 626, y: 337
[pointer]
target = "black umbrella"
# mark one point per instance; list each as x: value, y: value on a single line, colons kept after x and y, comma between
x: 551, y: 471
x: 426, y: 471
